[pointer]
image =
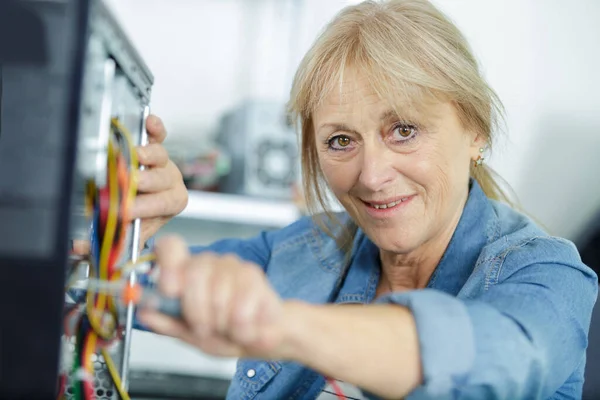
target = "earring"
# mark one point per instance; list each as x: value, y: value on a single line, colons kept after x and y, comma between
x: 477, y: 162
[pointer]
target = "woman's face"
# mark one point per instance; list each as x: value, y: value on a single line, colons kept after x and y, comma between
x: 403, y: 178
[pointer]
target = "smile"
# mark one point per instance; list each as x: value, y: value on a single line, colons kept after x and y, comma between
x: 387, y: 208
x: 389, y: 205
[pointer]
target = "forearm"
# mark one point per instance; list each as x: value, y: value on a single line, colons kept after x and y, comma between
x: 374, y: 347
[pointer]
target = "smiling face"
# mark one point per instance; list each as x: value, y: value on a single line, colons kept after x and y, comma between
x: 402, y: 175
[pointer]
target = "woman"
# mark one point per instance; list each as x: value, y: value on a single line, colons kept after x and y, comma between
x: 429, y: 285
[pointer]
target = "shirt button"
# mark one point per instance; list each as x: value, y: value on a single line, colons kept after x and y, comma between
x: 250, y: 373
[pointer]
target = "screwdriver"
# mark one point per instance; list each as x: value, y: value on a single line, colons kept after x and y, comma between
x: 139, y: 295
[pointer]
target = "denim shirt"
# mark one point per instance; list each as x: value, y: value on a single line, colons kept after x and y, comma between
x: 504, y: 316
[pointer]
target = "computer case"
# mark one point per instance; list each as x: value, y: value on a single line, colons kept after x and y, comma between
x: 66, y: 68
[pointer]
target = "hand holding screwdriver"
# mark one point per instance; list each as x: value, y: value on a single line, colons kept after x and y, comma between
x: 227, y: 307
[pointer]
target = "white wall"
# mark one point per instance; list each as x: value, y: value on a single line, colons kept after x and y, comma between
x: 543, y: 58
x: 540, y: 55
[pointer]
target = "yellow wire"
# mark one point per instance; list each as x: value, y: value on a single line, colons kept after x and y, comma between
x: 94, y: 311
x: 133, y: 181
x: 119, y: 128
x: 112, y: 369
x: 91, y: 347
x: 90, y: 192
x: 107, y: 243
x: 130, y: 266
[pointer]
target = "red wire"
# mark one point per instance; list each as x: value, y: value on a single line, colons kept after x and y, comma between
x: 88, y: 381
x: 337, y: 389
x: 61, y: 388
x: 88, y: 390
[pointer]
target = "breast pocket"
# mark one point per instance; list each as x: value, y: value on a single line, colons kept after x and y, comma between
x: 251, y: 377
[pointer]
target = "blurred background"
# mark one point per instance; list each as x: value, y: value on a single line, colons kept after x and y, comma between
x: 223, y: 70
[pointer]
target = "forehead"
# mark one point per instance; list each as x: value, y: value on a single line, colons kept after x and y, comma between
x: 356, y: 97
x: 352, y: 96
x: 363, y: 88
x: 351, y: 88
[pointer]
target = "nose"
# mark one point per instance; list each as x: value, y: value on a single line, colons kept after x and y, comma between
x: 377, y: 169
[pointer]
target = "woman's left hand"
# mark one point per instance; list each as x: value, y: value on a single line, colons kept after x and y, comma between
x: 162, y: 193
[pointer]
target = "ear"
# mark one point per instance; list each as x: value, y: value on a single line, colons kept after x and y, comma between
x: 477, y: 145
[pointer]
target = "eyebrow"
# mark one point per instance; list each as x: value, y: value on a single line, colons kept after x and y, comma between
x: 385, y: 116
x: 389, y: 115
x: 335, y: 127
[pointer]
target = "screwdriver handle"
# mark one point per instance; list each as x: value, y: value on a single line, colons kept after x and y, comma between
x: 153, y: 300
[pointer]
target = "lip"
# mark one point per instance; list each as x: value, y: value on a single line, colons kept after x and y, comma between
x: 387, y: 212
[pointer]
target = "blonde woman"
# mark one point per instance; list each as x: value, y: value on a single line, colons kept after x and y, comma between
x: 429, y: 285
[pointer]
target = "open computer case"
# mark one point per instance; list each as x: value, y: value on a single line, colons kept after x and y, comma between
x: 66, y: 70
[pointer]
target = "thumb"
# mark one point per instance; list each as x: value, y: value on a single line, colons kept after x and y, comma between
x: 156, y: 129
x: 172, y: 256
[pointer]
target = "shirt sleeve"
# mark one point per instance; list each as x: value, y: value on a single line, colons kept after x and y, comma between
x: 519, y: 338
x: 256, y: 249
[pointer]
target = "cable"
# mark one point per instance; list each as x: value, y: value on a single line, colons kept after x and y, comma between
x: 131, y: 266
x: 132, y: 159
x: 112, y: 369
x: 89, y: 346
x: 109, y: 208
x: 96, y: 305
x: 337, y: 389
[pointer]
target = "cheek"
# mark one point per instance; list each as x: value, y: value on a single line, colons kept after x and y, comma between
x: 431, y: 165
x: 438, y: 169
x: 340, y: 175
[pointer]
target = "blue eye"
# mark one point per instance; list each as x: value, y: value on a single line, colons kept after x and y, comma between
x: 403, y: 132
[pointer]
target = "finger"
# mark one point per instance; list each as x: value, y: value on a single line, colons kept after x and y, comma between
x: 163, y: 324
x: 154, y: 205
x: 195, y: 301
x: 244, y: 318
x: 173, y: 256
x: 223, y: 292
x: 155, y: 180
x: 156, y: 129
x: 153, y: 155
x: 217, y: 345
x: 245, y: 324
x: 80, y: 247
x: 209, y: 343
x: 162, y: 204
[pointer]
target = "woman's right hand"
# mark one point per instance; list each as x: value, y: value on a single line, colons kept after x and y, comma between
x: 229, y: 309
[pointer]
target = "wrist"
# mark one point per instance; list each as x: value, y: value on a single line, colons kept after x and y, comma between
x: 295, y: 324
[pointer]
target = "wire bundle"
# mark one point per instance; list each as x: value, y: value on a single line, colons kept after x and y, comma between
x: 109, y: 208
x: 97, y: 325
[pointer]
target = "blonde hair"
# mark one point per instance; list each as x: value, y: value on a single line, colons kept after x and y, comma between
x: 411, y: 53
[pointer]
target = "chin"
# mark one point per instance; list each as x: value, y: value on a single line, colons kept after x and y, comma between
x: 393, y: 239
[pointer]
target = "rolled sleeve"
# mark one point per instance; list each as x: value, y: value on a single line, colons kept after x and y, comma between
x: 519, y: 339
x: 445, y: 337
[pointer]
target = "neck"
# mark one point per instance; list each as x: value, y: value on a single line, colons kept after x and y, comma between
x: 401, y: 272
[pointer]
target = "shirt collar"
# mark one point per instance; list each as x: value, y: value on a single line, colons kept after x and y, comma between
x: 472, y: 233
x: 469, y: 238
